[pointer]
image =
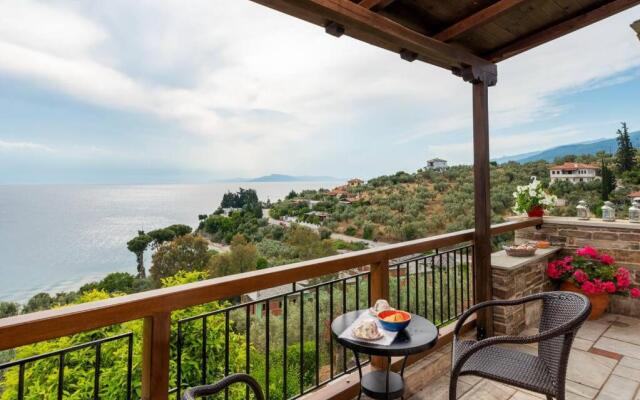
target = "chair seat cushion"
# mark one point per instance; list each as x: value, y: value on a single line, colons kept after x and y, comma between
x: 505, y: 365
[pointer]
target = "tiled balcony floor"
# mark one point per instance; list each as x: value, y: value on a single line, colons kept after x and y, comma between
x: 604, y: 364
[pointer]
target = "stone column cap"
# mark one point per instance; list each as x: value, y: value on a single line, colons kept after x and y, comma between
x: 500, y: 259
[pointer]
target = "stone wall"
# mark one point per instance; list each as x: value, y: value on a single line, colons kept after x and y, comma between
x: 516, y: 277
x: 620, y: 239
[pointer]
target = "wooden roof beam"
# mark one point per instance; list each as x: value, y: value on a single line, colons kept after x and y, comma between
x: 636, y: 27
x: 375, y: 4
x: 479, y: 18
x: 611, y: 8
x: 364, y: 24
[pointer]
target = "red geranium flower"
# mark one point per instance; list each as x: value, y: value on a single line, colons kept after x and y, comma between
x: 587, y: 251
x: 580, y: 276
x: 635, y: 292
x: 607, y: 259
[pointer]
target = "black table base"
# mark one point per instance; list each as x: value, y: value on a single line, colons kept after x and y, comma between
x: 382, y: 385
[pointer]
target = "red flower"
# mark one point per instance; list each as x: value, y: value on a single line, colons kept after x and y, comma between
x: 623, y: 278
x: 580, y: 276
x: 635, y: 292
x: 609, y: 287
x: 587, y: 251
x: 607, y: 259
x: 589, y: 288
x: 553, y: 271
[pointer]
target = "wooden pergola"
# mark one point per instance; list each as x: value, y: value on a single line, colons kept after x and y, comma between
x: 467, y: 37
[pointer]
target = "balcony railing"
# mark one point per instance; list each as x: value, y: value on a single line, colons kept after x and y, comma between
x: 283, y: 337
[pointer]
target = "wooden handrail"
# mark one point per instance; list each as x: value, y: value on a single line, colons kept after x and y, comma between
x: 44, y: 325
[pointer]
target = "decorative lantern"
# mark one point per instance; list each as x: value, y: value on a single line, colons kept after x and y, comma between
x: 582, y: 210
x: 608, y: 212
x: 634, y: 211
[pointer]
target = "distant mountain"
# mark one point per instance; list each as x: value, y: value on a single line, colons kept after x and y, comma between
x: 592, y: 147
x: 285, y: 178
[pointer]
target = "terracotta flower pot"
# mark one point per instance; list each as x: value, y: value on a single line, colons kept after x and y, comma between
x: 536, y: 211
x: 599, y: 302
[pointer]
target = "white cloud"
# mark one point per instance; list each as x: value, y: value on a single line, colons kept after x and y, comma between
x: 7, y: 146
x: 257, y: 87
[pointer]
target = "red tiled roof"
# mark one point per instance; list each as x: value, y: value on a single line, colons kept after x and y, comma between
x: 569, y: 166
x: 634, y: 194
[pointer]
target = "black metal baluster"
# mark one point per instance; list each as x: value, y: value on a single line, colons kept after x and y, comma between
x: 129, y: 366
x: 369, y: 290
x: 407, y: 281
x: 179, y: 363
x: 344, y: 310
x: 417, y: 299
x: 448, y: 286
x: 267, y: 324
x: 96, y: 373
x: 247, y: 322
x: 21, y: 382
x: 441, y: 291
x: 301, y: 342
x: 357, y: 292
x: 426, y: 293
x: 455, y: 284
x: 471, y: 287
x: 397, y: 305
x: 331, y: 319
x: 317, y: 335
x: 204, y: 352
x: 226, y: 349
x: 285, y: 317
x: 433, y: 288
x: 61, y: 376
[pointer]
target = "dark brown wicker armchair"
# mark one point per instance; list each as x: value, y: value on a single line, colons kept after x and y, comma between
x: 210, y: 390
x: 562, y: 315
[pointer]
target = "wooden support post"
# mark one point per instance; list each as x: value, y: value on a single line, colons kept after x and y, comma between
x: 482, y: 201
x: 155, y: 357
x: 379, y: 281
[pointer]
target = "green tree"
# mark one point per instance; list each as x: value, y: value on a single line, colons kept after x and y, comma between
x: 9, y: 309
x: 138, y: 245
x: 608, y: 181
x: 186, y: 253
x: 39, y: 302
x: 625, y: 156
x: 242, y: 257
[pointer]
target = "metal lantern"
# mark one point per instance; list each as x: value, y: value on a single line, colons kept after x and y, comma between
x: 582, y: 210
x: 608, y: 212
x: 634, y: 211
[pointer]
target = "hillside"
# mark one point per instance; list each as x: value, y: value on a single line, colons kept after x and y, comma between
x: 588, y: 148
x: 406, y: 206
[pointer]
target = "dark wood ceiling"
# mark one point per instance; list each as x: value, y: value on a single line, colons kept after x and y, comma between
x: 453, y: 33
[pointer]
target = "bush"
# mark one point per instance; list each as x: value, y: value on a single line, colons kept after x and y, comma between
x: 351, y: 230
x: 367, y: 231
x: 324, y: 233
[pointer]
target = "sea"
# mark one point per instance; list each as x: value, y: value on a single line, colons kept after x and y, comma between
x: 55, y: 238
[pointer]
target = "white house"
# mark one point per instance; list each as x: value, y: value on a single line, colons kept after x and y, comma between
x: 437, y: 163
x: 573, y: 172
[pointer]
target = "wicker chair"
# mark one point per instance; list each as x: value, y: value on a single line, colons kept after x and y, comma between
x: 562, y: 315
x: 210, y: 390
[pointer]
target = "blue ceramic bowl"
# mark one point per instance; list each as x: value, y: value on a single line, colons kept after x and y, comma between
x: 394, y: 326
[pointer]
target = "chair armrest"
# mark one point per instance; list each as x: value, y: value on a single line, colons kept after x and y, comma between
x: 494, y: 303
x: 209, y: 390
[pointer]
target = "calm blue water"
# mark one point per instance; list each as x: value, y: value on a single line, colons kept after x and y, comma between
x: 57, y: 237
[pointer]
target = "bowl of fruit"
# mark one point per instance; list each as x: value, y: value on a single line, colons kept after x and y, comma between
x: 394, y: 320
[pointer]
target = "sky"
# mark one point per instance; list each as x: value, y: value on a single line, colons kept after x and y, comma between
x: 167, y: 91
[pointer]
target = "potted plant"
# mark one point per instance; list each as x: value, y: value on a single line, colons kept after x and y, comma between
x: 595, y: 275
x: 532, y: 199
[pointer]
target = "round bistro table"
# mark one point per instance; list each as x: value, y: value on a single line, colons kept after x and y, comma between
x: 419, y: 336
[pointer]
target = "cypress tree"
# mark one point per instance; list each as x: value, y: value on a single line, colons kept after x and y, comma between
x: 625, y: 156
x: 608, y: 181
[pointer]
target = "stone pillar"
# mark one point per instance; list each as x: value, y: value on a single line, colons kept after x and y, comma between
x: 516, y: 277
